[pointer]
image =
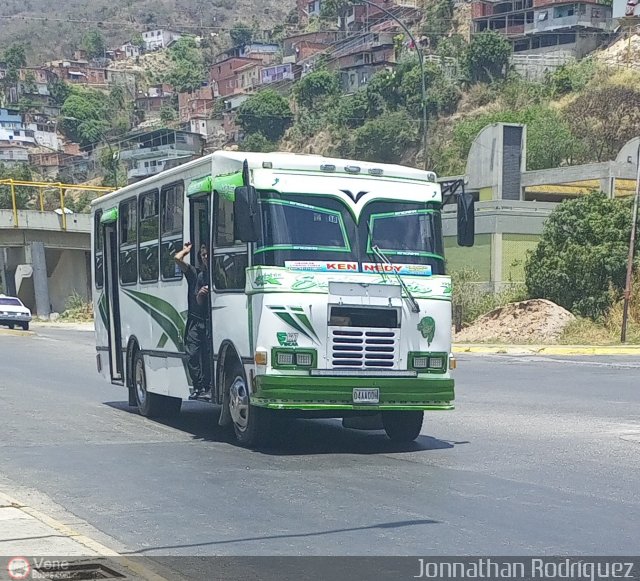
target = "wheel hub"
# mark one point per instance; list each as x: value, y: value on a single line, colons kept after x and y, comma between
x: 141, y: 388
x: 239, y: 403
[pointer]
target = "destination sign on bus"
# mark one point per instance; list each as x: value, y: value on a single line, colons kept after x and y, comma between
x: 412, y: 269
x: 367, y: 267
x: 321, y: 266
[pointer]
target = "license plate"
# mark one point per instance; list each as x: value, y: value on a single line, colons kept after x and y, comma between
x: 369, y: 395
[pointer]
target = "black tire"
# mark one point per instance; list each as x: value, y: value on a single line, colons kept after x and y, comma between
x: 402, y: 426
x: 151, y: 405
x: 251, y: 424
x: 25, y: 326
x: 11, y: 325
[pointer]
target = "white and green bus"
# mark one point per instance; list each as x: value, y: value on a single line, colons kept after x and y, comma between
x: 328, y: 291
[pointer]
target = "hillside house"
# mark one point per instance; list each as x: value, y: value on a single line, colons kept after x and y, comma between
x: 550, y: 27
x: 234, y: 75
x: 159, y: 39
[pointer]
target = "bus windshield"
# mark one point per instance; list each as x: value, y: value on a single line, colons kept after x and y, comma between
x: 300, y: 227
x: 405, y: 233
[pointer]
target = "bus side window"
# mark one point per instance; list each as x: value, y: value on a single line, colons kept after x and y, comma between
x: 171, y: 223
x: 97, y: 250
x: 230, y: 258
x: 127, y: 217
x: 148, y: 228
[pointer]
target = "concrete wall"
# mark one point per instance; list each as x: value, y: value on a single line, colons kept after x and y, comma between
x: 485, y: 162
x: 505, y: 232
x: 43, y: 264
x: 68, y: 276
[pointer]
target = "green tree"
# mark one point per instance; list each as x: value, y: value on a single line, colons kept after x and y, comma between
x: 452, y: 46
x: 187, y: 71
x: 138, y: 40
x: 582, y: 254
x: 258, y: 142
x: 315, y: 89
x: 549, y: 140
x: 241, y: 34
x: 23, y: 195
x: 168, y: 115
x: 335, y: 9
x: 93, y: 43
x: 59, y: 91
x: 113, y: 173
x: 487, y: 57
x: 85, y: 115
x: 382, y: 90
x: 386, y: 138
x: 438, y: 19
x: 352, y: 110
x: 267, y: 113
x: 15, y: 57
x: 604, y: 117
x: 572, y: 77
x: 29, y: 85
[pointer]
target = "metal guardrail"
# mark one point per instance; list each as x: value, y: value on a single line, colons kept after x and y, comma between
x: 42, y: 186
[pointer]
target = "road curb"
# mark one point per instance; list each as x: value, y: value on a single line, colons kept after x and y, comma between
x: 546, y: 349
x: 16, y: 333
x: 66, y: 531
x: 100, y: 550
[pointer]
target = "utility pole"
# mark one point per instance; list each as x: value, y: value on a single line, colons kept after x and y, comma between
x: 632, y: 245
x: 421, y: 62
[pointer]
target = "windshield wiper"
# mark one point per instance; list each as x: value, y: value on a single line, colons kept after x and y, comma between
x: 415, y: 307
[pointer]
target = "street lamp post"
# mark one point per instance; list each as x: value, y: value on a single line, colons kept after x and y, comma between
x: 421, y: 62
x: 632, y: 246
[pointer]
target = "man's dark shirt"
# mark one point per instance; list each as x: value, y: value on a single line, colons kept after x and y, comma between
x: 196, y: 279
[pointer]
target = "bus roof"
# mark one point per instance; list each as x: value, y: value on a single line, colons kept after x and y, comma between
x: 294, y: 162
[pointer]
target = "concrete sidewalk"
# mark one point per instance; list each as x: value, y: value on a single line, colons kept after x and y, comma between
x: 497, y: 348
x: 27, y: 531
x: 27, y: 534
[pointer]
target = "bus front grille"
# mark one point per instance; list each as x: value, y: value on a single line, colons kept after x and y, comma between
x: 363, y: 348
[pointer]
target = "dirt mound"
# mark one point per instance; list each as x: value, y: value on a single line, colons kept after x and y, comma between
x: 536, y: 320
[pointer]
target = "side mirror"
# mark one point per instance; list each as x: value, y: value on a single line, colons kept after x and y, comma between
x: 246, y: 214
x: 466, y: 219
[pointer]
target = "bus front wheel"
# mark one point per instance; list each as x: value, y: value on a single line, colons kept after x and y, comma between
x: 402, y: 426
x: 251, y: 424
x: 151, y: 405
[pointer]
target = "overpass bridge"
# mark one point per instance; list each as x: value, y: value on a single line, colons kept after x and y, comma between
x: 45, y: 254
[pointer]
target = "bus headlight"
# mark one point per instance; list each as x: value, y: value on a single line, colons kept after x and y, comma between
x: 304, y: 359
x: 421, y: 362
x: 436, y: 363
x: 284, y: 358
x: 428, y: 362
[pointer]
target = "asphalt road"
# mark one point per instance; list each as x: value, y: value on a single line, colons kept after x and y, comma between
x: 542, y: 456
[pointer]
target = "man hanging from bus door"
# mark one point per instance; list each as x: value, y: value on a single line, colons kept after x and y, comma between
x: 196, y: 336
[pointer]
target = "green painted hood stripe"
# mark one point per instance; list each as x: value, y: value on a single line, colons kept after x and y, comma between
x: 203, y: 185
x: 109, y: 216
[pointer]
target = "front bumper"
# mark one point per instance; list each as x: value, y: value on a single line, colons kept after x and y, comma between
x: 18, y: 318
x: 303, y: 392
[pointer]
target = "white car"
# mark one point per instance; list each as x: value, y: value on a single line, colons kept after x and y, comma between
x: 13, y: 312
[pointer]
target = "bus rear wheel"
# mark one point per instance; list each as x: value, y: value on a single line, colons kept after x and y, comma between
x: 151, y: 405
x: 251, y: 424
x: 402, y: 426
